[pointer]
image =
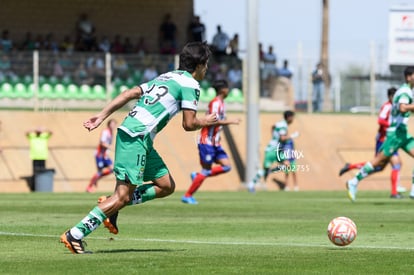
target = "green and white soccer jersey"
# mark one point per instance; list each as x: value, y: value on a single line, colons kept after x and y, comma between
x: 274, y: 149
x: 397, y: 134
x: 136, y: 160
x: 162, y: 99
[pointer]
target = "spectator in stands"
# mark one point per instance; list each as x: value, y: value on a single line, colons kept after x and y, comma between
x: 317, y: 93
x: 39, y: 42
x: 81, y: 75
x: 234, y: 45
x: 39, y: 148
x: 220, y: 42
x: 196, y: 30
x: 127, y: 45
x: 85, y: 30
x: 168, y: 33
x: 149, y: 73
x: 28, y: 43
x: 104, y: 44
x: 261, y: 52
x: 120, y: 66
x: 51, y: 44
x: 6, y: 44
x: 141, y: 46
x: 269, y: 71
x: 116, y: 45
x: 57, y: 67
x: 67, y: 45
x: 6, y: 67
x: 285, y: 71
x: 96, y: 67
x: 235, y: 77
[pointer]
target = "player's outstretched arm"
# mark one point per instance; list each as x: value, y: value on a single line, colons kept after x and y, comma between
x: 191, y: 122
x: 115, y: 104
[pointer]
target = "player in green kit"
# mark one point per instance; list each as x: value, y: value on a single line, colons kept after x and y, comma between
x: 274, y: 151
x: 136, y: 161
x: 397, y: 134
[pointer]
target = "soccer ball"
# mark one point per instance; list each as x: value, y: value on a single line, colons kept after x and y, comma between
x: 342, y: 231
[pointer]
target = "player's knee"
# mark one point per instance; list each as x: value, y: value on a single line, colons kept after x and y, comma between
x: 226, y: 168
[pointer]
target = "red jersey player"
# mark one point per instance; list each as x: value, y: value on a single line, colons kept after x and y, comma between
x: 103, y: 161
x: 384, y: 119
x: 210, y: 150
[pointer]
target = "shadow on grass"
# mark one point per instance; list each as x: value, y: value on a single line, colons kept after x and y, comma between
x: 132, y: 250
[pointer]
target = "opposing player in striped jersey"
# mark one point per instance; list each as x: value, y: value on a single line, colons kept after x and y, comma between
x: 397, y: 134
x: 136, y: 160
x: 274, y: 150
x: 102, y: 158
x: 384, y: 121
x: 209, y: 147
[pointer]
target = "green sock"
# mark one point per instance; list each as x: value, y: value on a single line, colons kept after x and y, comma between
x: 89, y: 223
x: 143, y: 193
x: 365, y: 171
x: 258, y: 175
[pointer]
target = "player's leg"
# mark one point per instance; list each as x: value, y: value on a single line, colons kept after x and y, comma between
x: 395, y: 175
x: 269, y: 159
x: 221, y: 158
x: 93, y: 181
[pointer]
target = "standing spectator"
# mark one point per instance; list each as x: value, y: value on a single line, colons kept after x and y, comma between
x: 39, y: 148
x: 67, y: 45
x: 28, y: 43
x: 39, y: 42
x: 234, y: 45
x: 269, y: 71
x: 235, y: 76
x: 196, y: 30
x: 51, y: 44
x: 285, y: 71
x: 220, y: 42
x: 104, y: 44
x: 168, y: 32
x: 317, y: 81
x: 116, y: 45
x: 85, y: 29
x: 6, y: 44
x: 127, y: 45
x: 261, y: 52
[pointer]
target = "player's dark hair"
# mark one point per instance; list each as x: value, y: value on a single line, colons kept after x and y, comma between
x: 391, y: 91
x: 193, y: 54
x: 408, y: 71
x: 288, y: 114
x: 220, y: 84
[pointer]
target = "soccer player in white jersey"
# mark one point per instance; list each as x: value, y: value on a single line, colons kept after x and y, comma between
x: 136, y: 160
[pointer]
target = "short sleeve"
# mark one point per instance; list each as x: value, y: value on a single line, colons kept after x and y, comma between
x: 190, y: 97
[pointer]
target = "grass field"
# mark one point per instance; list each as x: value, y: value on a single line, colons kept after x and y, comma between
x: 227, y: 233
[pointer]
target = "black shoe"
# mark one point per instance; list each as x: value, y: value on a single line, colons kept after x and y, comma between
x: 280, y: 183
x: 344, y: 169
x: 75, y: 246
x: 397, y: 196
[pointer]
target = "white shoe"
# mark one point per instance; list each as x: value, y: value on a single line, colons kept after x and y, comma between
x: 352, y: 190
x: 401, y: 189
x: 296, y: 188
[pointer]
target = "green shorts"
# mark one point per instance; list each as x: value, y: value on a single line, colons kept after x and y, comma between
x: 136, y: 160
x: 271, y: 157
x: 396, y: 140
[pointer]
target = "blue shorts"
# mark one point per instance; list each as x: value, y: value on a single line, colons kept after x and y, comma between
x: 102, y: 162
x: 209, y: 154
x: 378, y: 145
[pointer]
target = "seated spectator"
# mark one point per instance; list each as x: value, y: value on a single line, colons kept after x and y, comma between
x: 149, y: 73
x: 28, y: 43
x: 220, y: 42
x: 81, y: 75
x: 6, y: 66
x: 285, y: 71
x: 85, y: 32
x: 67, y: 45
x: 57, y: 68
x: 235, y: 77
x: 39, y: 43
x: 120, y: 66
x: 51, y: 44
x: 127, y: 45
x: 104, y: 45
x: 168, y: 32
x: 66, y: 62
x: 141, y: 46
x: 6, y: 44
x: 96, y: 67
x: 116, y: 45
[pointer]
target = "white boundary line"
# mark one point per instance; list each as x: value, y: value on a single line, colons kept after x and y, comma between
x: 2, y: 233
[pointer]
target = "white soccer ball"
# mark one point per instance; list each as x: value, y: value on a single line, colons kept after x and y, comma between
x: 342, y: 231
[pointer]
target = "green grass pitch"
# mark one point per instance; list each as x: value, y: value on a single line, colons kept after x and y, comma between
x: 227, y: 233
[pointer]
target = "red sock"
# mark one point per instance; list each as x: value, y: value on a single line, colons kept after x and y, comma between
x: 198, y: 180
x: 217, y: 170
x: 93, y: 180
x: 395, y: 175
x: 356, y: 165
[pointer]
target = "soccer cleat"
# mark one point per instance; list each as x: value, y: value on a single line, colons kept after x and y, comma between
x: 344, y: 169
x: 110, y: 222
x: 352, y: 190
x: 189, y: 200
x: 90, y: 189
x: 396, y: 196
x: 193, y: 175
x: 280, y: 183
x: 75, y: 246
